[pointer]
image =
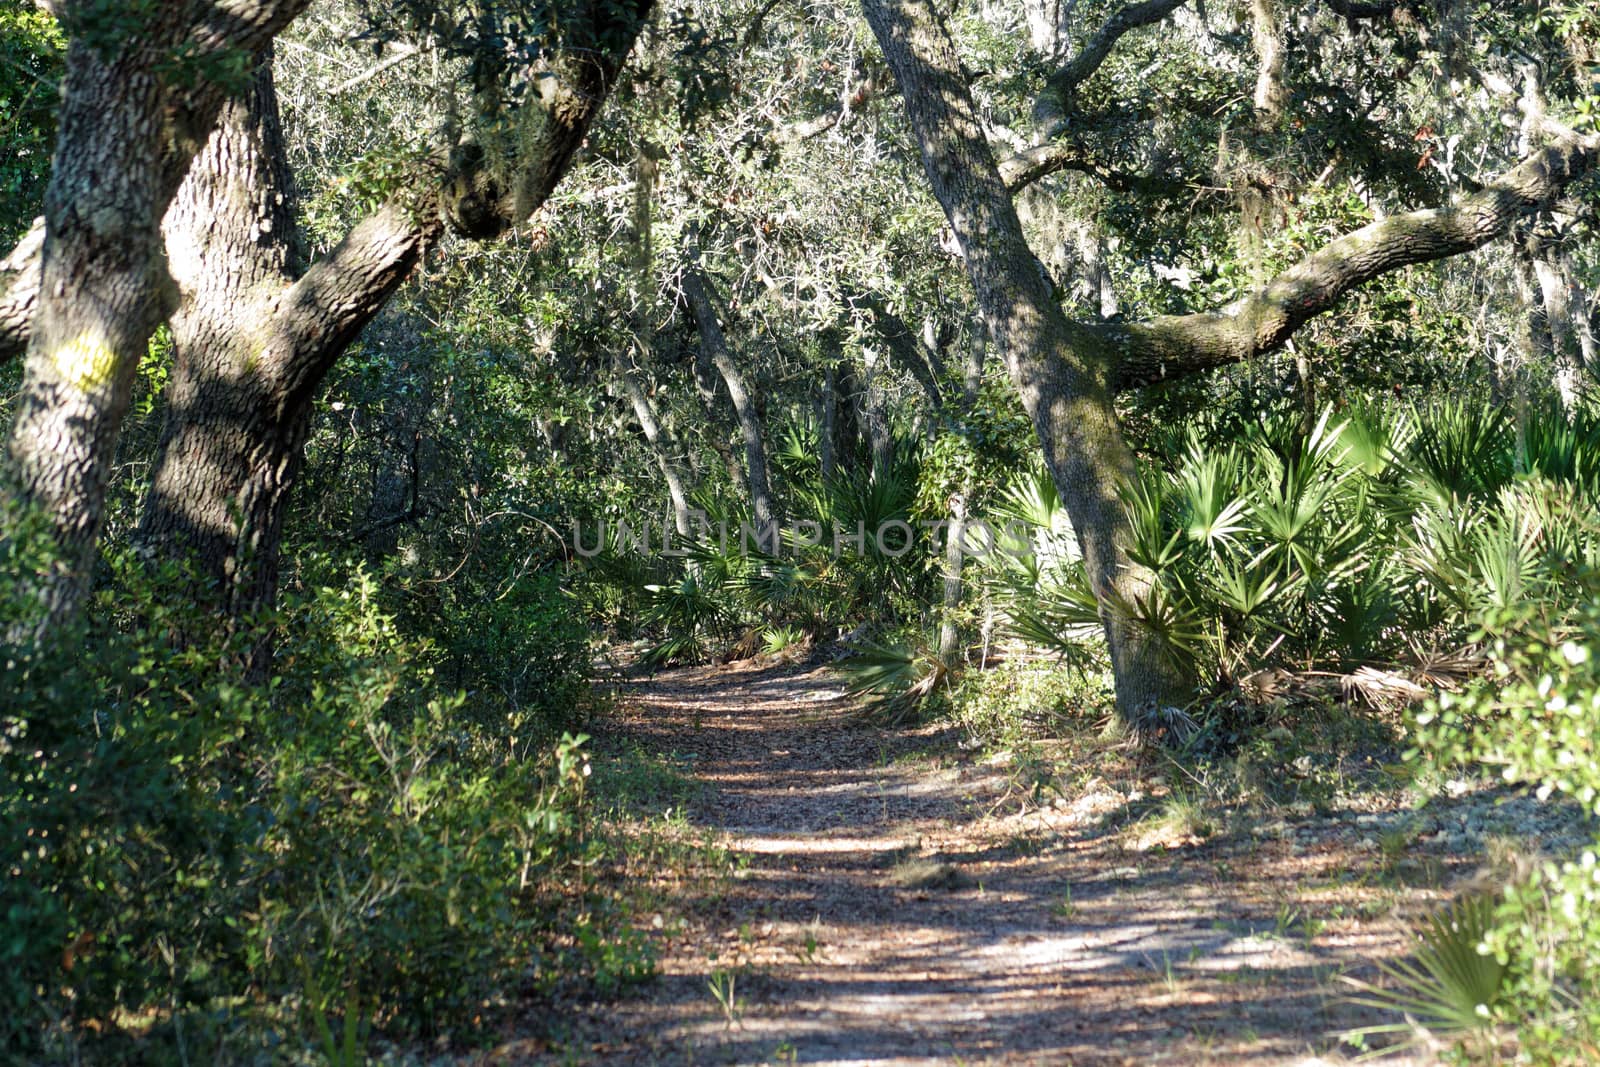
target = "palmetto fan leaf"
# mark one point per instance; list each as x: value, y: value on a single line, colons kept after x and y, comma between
x: 1151, y: 544
x: 1462, y: 449
x: 1031, y: 499
x: 1372, y: 437
x: 1245, y: 588
x: 1182, y: 633
x: 1208, y: 492
x: 1448, y: 987
x: 1061, y: 615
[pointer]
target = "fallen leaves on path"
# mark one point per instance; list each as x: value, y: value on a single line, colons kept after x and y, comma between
x: 890, y: 902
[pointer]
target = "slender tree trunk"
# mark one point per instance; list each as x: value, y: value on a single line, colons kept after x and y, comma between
x: 1267, y: 35
x: 954, y: 557
x: 972, y: 367
x: 656, y: 437
x: 848, y: 414
x: 645, y: 171
x: 1566, y: 316
x: 714, y: 346
x: 829, y: 420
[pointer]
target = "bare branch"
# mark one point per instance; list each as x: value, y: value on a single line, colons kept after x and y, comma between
x: 399, y: 57
x: 1172, y: 346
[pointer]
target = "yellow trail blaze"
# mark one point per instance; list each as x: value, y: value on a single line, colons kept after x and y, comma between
x: 86, y: 362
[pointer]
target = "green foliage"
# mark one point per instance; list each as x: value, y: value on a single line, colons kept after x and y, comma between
x: 31, y: 51
x: 1452, y: 988
x: 898, y: 676
x: 1016, y: 701
x: 1338, y: 543
x: 176, y: 839
x: 1534, y: 719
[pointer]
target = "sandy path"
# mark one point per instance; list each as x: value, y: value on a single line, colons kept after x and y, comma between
x: 892, y: 906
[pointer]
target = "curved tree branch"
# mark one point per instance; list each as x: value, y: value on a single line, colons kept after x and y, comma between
x: 905, y: 345
x: 1171, y: 346
x: 1060, y: 86
x: 19, y: 291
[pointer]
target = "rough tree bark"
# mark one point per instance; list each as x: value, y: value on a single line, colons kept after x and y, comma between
x: 128, y: 129
x: 1065, y: 387
x: 1067, y: 372
x: 254, y: 337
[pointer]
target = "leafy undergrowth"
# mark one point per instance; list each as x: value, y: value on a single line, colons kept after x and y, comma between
x: 353, y: 858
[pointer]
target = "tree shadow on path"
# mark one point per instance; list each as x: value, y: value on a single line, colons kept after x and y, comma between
x: 887, y: 907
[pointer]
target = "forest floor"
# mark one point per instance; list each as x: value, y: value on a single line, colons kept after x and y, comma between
x: 890, y: 896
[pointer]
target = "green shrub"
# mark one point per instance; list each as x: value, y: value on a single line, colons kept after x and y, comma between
x: 1018, y: 700
x: 1536, y: 720
x: 350, y: 834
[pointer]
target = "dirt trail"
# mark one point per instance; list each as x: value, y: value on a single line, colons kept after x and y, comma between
x: 897, y: 903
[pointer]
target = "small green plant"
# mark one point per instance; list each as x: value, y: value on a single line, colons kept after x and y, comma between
x: 777, y: 640
x: 348, y: 1050
x: 1064, y: 908
x: 806, y: 950
x: 723, y: 984
x: 1451, y: 988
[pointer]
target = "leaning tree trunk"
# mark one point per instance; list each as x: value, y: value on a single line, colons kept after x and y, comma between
x: 1066, y: 371
x: 1065, y: 388
x: 656, y: 437
x: 128, y: 130
x: 715, y: 347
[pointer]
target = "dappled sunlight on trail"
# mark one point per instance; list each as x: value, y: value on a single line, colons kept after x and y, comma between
x: 892, y: 901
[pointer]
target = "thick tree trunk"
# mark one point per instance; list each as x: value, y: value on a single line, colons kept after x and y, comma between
x: 127, y: 133
x: 254, y: 339
x: 714, y: 346
x: 875, y: 405
x: 1063, y: 378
